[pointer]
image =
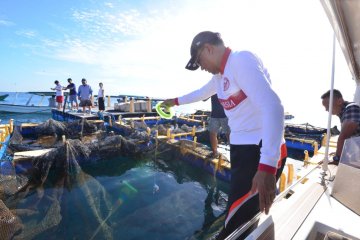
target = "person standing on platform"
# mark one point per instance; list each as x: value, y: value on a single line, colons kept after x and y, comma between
x: 218, y: 123
x: 101, y: 100
x: 59, y: 94
x: 72, y: 94
x: 349, y: 115
x: 52, y: 101
x: 256, y: 121
x: 85, y: 94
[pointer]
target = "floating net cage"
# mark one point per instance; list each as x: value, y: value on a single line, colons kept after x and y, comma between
x: 41, y: 191
x: 74, y: 129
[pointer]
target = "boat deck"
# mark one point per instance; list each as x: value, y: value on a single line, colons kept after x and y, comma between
x: 308, y: 209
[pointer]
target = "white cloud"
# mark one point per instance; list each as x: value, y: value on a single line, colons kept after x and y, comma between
x: 26, y: 33
x: 109, y: 4
x: 6, y: 23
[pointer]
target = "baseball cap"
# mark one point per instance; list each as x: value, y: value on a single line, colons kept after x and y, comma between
x: 199, y: 40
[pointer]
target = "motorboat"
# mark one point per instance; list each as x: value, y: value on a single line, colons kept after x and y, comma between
x: 14, y: 108
x: 29, y: 106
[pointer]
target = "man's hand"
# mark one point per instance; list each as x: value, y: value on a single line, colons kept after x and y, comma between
x: 169, y: 102
x: 265, y: 184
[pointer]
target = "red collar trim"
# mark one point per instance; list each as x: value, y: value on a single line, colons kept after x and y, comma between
x: 224, y: 59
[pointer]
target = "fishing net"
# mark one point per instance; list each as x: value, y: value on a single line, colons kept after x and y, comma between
x: 139, y: 125
x: 55, y: 178
x: 48, y: 135
x: 162, y: 130
x: 8, y: 184
x: 9, y: 223
x: 75, y: 129
x: 79, y: 128
x: 16, y: 137
x: 186, y: 128
x: 51, y: 127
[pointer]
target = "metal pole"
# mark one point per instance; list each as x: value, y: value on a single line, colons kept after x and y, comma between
x: 326, y: 159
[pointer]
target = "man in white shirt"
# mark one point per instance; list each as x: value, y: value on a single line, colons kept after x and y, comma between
x: 256, y: 121
x: 59, y: 94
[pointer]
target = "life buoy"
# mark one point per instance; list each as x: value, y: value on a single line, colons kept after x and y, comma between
x: 169, y: 111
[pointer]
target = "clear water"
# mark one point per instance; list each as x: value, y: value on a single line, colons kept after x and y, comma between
x: 188, y: 201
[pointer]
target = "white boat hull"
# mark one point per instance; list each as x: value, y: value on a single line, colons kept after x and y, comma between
x: 13, y: 108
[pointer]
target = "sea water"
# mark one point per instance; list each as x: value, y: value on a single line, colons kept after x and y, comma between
x: 188, y: 201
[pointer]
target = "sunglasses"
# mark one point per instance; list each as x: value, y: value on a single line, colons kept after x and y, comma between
x: 198, y: 58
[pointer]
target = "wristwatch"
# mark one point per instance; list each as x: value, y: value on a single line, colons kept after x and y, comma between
x: 336, y: 158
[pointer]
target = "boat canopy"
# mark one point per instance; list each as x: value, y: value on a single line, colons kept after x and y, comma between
x: 43, y: 93
x: 344, y: 16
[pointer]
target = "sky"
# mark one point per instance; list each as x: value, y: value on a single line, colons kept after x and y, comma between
x: 142, y: 47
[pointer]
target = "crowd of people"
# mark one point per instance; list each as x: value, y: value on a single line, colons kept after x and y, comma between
x: 84, y: 94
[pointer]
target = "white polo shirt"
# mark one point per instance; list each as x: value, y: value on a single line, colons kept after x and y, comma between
x: 253, y: 108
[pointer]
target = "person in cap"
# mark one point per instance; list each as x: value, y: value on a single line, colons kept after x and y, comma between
x: 256, y: 120
x: 72, y: 94
x: 349, y: 115
x: 85, y: 94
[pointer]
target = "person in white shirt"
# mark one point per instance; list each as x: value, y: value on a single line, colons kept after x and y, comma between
x: 256, y: 120
x: 59, y: 94
x: 100, y: 98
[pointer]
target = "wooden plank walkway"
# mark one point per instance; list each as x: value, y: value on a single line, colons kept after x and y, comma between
x: 25, y: 155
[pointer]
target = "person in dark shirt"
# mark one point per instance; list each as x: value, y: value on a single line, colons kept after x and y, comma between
x: 52, y: 102
x: 349, y: 114
x: 72, y: 94
x: 218, y: 122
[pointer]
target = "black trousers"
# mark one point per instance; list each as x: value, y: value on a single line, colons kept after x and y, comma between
x: 244, y: 164
x: 101, y: 103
